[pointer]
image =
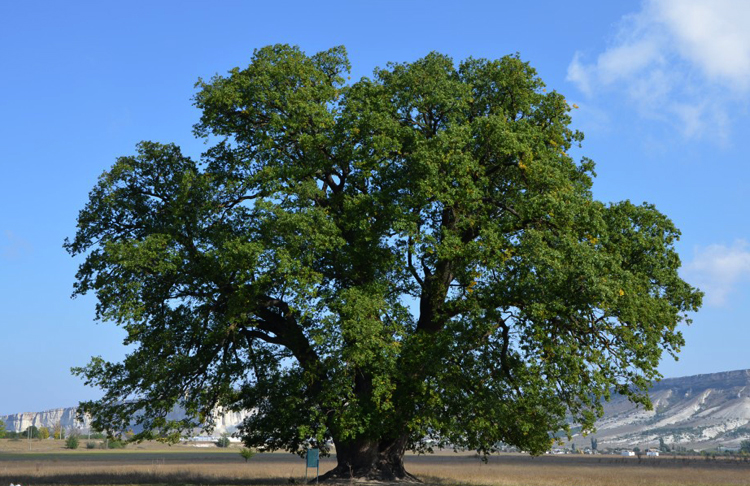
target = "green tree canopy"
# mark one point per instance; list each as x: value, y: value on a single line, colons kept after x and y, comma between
x: 32, y: 432
x: 2, y: 429
x: 408, y: 259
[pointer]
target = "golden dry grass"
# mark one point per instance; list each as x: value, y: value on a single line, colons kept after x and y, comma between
x: 156, y: 473
x: 58, y: 446
x: 518, y: 470
x: 154, y: 464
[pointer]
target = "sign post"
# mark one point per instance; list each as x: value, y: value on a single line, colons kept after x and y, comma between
x: 312, y: 461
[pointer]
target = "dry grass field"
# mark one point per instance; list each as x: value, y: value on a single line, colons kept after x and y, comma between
x: 155, y: 464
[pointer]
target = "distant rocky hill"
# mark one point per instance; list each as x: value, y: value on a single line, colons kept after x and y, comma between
x: 225, y: 421
x: 49, y: 418
x: 697, y: 412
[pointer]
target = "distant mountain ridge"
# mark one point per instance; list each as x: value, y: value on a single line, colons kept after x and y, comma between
x: 225, y: 421
x: 49, y: 418
x: 697, y: 412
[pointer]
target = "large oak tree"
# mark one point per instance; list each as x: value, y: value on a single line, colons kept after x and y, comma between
x: 405, y: 260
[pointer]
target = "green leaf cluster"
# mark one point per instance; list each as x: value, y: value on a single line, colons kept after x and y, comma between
x: 246, y: 453
x: 72, y: 442
x: 410, y: 259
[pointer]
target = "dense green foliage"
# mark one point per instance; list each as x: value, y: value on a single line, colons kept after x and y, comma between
x: 2, y: 429
x: 411, y: 256
x: 32, y: 431
x: 72, y: 442
x: 115, y: 444
x: 223, y: 441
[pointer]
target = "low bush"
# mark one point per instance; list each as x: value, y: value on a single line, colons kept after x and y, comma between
x: 116, y: 444
x: 72, y: 442
x: 246, y: 453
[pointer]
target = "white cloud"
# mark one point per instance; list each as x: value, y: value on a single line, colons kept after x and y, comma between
x: 684, y: 62
x: 712, y: 35
x: 580, y: 74
x: 718, y: 269
x: 628, y: 60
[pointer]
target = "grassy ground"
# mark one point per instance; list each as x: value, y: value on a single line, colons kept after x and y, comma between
x: 49, y: 463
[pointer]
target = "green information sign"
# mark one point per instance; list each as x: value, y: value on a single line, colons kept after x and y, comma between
x: 312, y: 457
x: 312, y: 461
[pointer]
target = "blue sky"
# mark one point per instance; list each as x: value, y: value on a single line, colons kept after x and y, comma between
x: 663, y: 89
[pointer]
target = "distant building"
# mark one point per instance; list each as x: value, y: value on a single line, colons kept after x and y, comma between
x: 652, y: 453
x: 627, y: 453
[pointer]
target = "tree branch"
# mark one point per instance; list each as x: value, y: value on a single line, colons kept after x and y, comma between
x: 413, y: 270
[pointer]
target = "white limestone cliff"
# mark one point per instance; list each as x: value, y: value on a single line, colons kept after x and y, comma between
x: 696, y: 412
x: 49, y: 418
x: 226, y: 422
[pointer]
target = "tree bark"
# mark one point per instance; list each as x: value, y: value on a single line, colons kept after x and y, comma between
x: 370, y: 460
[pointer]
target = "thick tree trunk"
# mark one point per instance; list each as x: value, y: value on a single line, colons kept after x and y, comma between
x: 367, y: 460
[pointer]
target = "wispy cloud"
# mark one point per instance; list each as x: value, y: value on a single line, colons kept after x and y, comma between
x: 13, y: 247
x: 684, y: 62
x: 713, y: 35
x: 718, y: 269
